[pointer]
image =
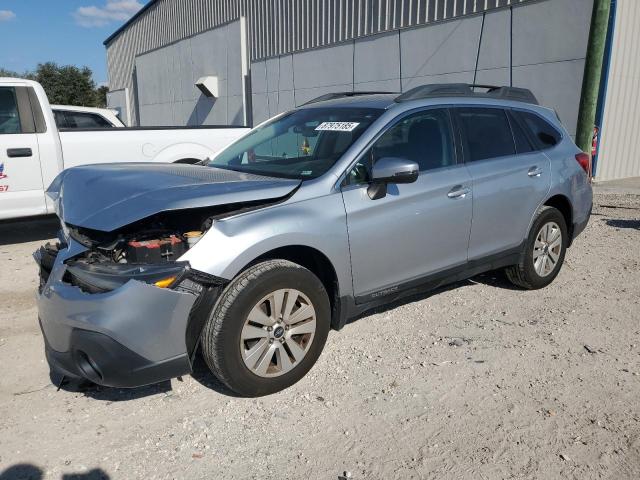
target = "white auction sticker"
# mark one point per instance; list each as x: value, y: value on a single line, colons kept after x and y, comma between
x: 337, y: 126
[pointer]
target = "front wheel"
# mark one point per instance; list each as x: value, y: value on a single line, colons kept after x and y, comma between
x: 544, y: 252
x: 267, y: 329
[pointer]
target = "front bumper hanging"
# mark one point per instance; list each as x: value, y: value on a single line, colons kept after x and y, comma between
x: 136, y: 334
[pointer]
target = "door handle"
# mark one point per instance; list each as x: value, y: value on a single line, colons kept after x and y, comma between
x: 458, y: 192
x: 19, y: 152
x: 534, y: 172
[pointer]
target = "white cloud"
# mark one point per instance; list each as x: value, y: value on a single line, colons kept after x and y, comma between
x: 6, y: 15
x: 112, y: 11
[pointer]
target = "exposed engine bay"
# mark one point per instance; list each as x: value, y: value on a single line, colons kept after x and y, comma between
x: 162, y: 238
x: 146, y: 251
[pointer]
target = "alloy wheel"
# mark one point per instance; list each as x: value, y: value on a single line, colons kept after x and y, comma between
x: 547, y: 249
x: 278, y: 332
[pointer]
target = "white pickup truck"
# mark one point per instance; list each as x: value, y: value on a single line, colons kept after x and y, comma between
x: 33, y: 151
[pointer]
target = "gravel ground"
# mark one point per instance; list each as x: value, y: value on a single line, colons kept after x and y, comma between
x: 478, y: 380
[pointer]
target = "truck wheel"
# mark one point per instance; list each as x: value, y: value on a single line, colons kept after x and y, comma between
x: 267, y: 329
x: 187, y: 161
x: 544, y: 251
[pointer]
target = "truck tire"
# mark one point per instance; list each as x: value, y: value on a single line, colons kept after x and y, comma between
x: 267, y: 329
x: 187, y: 161
x: 544, y: 251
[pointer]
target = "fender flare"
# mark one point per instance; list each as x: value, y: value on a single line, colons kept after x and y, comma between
x: 182, y: 151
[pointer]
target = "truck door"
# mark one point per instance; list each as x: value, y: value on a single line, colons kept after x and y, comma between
x: 21, y: 189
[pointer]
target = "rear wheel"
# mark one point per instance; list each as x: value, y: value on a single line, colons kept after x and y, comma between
x: 267, y: 329
x: 544, y: 252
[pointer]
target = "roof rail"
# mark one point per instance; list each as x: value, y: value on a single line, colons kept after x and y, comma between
x: 334, y: 95
x: 468, y: 90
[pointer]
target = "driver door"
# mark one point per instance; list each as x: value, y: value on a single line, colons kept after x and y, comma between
x: 21, y: 188
x: 417, y: 229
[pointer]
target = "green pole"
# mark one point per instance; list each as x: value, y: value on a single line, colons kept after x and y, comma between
x: 592, y: 73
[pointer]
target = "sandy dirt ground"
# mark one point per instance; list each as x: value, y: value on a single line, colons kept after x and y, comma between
x: 475, y: 381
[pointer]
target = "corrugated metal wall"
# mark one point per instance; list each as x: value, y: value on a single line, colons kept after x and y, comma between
x: 276, y: 27
x: 620, y: 141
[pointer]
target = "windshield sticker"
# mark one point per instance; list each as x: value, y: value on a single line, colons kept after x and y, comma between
x: 337, y: 126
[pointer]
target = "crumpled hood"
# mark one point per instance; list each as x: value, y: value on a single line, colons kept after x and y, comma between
x: 110, y: 196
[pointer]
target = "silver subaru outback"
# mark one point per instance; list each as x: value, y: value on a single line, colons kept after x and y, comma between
x: 316, y: 216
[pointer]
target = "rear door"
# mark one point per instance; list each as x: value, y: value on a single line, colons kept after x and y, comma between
x: 509, y: 182
x: 21, y: 189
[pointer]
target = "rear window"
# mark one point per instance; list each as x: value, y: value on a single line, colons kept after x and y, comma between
x: 486, y: 133
x: 80, y: 120
x: 523, y: 144
x: 542, y: 133
x: 61, y: 121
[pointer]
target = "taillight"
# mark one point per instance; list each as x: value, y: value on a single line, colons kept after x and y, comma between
x: 585, y: 162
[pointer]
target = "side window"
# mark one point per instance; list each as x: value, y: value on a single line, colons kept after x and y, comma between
x: 86, y: 120
x: 9, y: 116
x: 423, y: 137
x: 523, y: 145
x: 542, y: 132
x: 61, y: 121
x: 486, y: 133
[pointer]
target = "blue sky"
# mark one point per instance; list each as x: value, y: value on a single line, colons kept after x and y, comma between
x: 68, y: 32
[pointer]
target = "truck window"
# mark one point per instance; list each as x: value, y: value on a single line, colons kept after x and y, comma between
x: 9, y: 116
x: 61, y: 121
x: 80, y: 120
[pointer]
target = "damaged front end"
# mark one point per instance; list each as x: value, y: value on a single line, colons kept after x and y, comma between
x: 120, y: 309
x: 116, y: 303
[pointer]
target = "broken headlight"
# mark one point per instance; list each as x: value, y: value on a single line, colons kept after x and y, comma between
x: 97, y: 277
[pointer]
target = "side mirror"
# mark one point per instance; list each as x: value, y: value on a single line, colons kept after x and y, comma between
x: 391, y: 170
x: 394, y: 170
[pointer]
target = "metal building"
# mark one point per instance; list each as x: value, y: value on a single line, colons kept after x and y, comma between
x: 619, y: 139
x: 267, y: 56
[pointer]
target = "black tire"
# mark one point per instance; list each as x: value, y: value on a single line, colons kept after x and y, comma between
x: 222, y: 333
x: 187, y: 161
x: 524, y: 274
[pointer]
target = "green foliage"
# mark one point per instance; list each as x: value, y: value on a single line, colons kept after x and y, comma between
x: 101, y: 96
x: 65, y: 84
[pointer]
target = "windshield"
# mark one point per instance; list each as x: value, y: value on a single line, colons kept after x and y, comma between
x: 302, y: 144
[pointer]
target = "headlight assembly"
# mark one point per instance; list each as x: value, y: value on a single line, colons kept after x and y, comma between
x: 96, y: 277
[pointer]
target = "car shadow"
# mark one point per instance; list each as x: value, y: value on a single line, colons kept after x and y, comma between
x: 623, y: 223
x: 27, y: 471
x: 108, y: 394
x: 30, y: 229
x: 200, y: 374
x: 495, y: 278
x: 204, y: 377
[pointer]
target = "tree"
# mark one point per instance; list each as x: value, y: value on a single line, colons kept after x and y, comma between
x: 8, y: 73
x: 101, y: 96
x: 66, y: 84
